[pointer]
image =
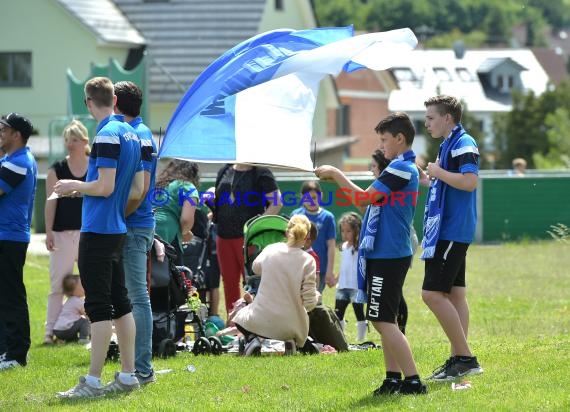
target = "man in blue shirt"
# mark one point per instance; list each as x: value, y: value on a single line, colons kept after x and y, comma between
x: 449, y: 228
x: 385, y: 248
x: 114, y: 176
x: 18, y: 175
x: 140, y: 231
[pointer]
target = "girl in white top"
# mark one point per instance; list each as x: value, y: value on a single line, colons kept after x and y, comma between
x: 72, y: 324
x: 347, y: 286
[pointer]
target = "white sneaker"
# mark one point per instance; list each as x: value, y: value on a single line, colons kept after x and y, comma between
x: 116, y: 386
x: 81, y: 391
x: 8, y: 364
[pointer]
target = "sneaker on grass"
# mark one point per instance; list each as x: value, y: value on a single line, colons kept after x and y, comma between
x: 459, y: 367
x: 439, y: 372
x: 412, y: 387
x: 82, y: 391
x: 9, y: 364
x: 119, y: 387
x: 145, y: 379
x: 390, y: 386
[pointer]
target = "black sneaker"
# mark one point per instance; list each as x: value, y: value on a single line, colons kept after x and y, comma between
x: 440, y: 371
x: 389, y: 386
x: 459, y: 368
x: 412, y: 387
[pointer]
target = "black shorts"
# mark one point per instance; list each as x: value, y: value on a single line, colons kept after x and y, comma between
x: 385, y: 278
x: 447, y: 267
x: 100, y: 264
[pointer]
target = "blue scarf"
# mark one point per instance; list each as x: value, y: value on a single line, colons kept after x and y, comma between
x: 367, y: 236
x: 368, y: 233
x: 435, y: 202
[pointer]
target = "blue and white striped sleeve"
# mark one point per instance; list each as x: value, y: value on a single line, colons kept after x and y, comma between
x: 467, y: 154
x: 11, y: 175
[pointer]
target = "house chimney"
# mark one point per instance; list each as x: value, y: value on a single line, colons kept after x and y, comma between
x: 459, y: 49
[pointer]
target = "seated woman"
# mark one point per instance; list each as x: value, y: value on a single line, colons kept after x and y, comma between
x: 286, y: 293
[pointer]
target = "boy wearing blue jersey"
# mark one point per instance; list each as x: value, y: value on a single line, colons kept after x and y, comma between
x: 18, y: 175
x: 114, y: 175
x: 140, y: 231
x: 449, y: 227
x: 385, y: 251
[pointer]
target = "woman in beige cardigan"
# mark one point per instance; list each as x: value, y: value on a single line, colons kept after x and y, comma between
x: 286, y: 293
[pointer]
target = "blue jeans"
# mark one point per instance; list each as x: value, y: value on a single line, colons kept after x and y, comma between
x: 138, y: 243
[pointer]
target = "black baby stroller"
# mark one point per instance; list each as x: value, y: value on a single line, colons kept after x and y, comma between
x: 176, y: 307
x: 259, y: 232
x: 170, y: 286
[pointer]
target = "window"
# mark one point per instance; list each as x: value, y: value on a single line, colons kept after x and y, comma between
x: 278, y: 4
x: 403, y: 74
x: 442, y: 74
x: 16, y: 69
x: 500, y: 83
x: 510, y: 82
x: 464, y: 74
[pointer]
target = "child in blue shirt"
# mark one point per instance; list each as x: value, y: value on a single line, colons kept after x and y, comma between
x: 385, y: 250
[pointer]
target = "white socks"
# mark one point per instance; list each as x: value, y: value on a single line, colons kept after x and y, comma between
x: 128, y: 378
x: 93, y: 381
x: 361, y: 329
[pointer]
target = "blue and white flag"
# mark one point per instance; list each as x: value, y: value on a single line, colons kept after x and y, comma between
x: 255, y: 104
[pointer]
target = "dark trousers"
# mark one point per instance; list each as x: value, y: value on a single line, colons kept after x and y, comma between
x: 14, y: 313
x: 81, y: 326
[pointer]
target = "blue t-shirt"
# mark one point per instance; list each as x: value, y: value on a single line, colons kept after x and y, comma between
x: 326, y: 226
x: 115, y: 146
x: 144, y: 217
x: 398, y: 181
x: 18, y: 176
x: 460, y: 207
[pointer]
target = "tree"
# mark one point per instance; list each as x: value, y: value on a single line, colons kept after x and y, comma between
x: 536, y: 128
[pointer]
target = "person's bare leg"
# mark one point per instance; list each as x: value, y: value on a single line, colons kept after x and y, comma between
x: 100, y: 336
x: 458, y: 297
x: 448, y: 317
x: 126, y: 331
x: 399, y: 354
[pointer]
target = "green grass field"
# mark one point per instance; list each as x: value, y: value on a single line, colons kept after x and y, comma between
x: 520, y: 323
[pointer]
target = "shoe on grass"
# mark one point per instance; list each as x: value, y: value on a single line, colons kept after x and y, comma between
x: 412, y: 387
x: 9, y: 364
x: 82, y: 391
x: 145, y: 379
x: 459, y: 368
x: 440, y: 371
x: 390, y: 386
x: 119, y: 387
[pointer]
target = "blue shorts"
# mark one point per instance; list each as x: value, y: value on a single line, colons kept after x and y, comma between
x: 352, y: 295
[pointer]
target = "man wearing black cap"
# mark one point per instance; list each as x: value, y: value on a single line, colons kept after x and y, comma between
x: 18, y: 175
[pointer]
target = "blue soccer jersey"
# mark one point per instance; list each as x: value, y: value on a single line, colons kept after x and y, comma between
x: 460, y: 210
x: 18, y: 176
x: 115, y: 146
x: 399, y: 182
x: 143, y: 217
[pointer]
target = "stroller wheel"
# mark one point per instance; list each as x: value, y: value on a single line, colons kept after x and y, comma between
x: 215, y: 345
x: 202, y: 345
x: 166, y: 348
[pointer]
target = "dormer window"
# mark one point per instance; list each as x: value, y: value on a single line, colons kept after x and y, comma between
x: 463, y: 74
x: 403, y: 74
x: 442, y: 74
